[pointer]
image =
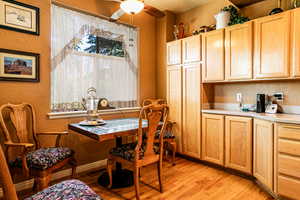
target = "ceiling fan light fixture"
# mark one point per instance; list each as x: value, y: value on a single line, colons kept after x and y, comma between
x: 132, y: 6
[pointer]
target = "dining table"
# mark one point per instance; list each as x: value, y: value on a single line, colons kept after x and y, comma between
x: 113, y: 129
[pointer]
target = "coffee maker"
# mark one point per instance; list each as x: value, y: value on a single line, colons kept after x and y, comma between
x: 260, y: 103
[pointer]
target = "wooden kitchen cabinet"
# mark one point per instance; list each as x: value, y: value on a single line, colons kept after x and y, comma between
x: 191, y: 130
x: 213, y: 138
x: 263, y: 146
x: 287, y: 160
x: 295, y: 30
x: 191, y: 49
x: 272, y: 46
x: 174, y: 99
x: 239, y: 51
x: 238, y: 143
x: 174, y: 53
x: 213, y: 50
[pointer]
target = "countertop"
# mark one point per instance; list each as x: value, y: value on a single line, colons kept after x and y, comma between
x: 281, y: 118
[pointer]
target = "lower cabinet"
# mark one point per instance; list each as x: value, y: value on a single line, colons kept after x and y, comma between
x: 287, y: 160
x: 213, y: 138
x: 191, y: 118
x: 238, y: 143
x: 263, y: 146
x: 174, y: 99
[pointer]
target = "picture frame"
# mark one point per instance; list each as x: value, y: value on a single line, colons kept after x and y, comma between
x: 19, y: 17
x: 19, y: 66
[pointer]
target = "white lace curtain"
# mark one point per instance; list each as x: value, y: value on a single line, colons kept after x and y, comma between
x: 73, y: 72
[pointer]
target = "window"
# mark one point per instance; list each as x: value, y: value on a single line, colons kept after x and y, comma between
x: 87, y: 51
x: 99, y: 45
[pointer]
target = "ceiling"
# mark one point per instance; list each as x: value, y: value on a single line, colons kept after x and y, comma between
x: 176, y: 6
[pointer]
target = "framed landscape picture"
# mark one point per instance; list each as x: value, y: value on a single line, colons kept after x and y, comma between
x: 19, y: 66
x: 19, y: 17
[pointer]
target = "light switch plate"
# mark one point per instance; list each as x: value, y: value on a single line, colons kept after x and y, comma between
x: 278, y: 96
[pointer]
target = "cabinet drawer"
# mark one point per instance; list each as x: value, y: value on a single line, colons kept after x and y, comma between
x: 289, y: 187
x: 289, y: 146
x: 289, y: 165
x: 289, y: 132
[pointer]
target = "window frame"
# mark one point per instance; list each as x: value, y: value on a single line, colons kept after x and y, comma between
x: 78, y: 114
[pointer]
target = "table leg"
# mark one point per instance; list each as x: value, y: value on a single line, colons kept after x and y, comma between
x: 121, y: 177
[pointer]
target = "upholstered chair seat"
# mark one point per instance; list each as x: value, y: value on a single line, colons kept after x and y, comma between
x: 45, y: 158
x: 167, y: 135
x: 66, y: 190
x: 127, y: 151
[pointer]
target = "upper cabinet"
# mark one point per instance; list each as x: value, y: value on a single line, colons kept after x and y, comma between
x: 295, y: 42
x: 191, y: 49
x: 213, y: 56
x: 174, y: 53
x: 239, y: 51
x: 272, y: 46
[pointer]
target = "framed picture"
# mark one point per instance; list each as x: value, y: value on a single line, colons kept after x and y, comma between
x: 19, y: 17
x: 19, y: 66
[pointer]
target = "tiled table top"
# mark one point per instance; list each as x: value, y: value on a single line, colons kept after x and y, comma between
x: 112, y: 128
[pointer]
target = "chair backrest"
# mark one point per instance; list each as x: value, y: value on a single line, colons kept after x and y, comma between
x: 22, y: 118
x: 153, y: 114
x: 147, y: 102
x: 6, y: 180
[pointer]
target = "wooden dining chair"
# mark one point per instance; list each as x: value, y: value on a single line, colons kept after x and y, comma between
x: 143, y: 152
x: 168, y: 136
x: 18, y: 123
x: 70, y: 189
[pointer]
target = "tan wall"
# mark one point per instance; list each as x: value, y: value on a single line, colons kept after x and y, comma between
x: 226, y: 93
x: 38, y: 94
x: 163, y: 35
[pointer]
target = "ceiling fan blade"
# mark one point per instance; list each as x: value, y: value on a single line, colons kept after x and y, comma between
x: 116, y: 15
x: 153, y: 11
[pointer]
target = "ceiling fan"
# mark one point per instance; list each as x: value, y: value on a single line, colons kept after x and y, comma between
x: 133, y: 7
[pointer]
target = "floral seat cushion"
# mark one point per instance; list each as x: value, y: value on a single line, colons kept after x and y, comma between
x: 45, y: 158
x: 167, y: 135
x: 127, y: 151
x: 67, y: 190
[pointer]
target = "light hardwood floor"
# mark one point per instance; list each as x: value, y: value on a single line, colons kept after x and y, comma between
x: 187, y: 180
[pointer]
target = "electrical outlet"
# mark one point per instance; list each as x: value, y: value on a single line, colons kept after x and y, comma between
x: 239, y: 97
x: 278, y: 96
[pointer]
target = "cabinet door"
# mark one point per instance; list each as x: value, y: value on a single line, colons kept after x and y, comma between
x: 191, y: 49
x: 174, y: 53
x: 191, y: 110
x: 213, y: 138
x: 263, y: 152
x: 272, y: 46
x: 296, y: 42
x: 239, y: 51
x: 213, y: 55
x: 238, y: 143
x: 174, y: 99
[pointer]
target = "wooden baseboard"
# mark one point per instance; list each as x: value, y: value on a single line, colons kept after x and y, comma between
x: 24, y: 185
